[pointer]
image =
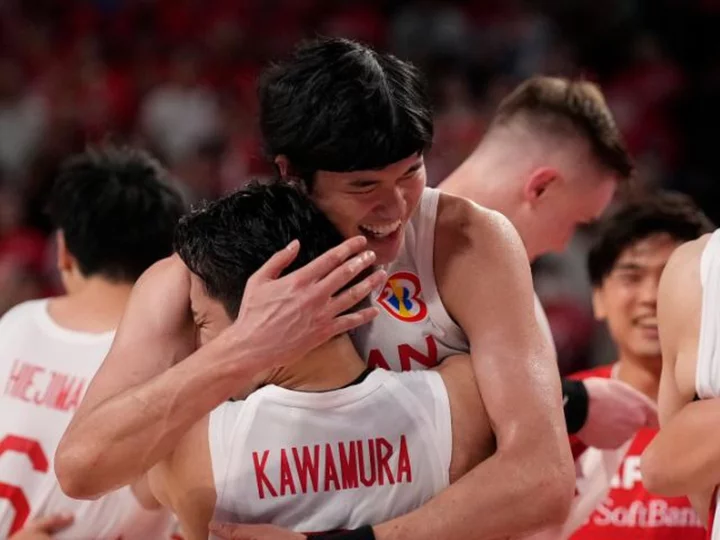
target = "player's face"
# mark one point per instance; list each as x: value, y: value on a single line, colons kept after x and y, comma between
x: 577, y: 202
x: 627, y: 298
x: 209, y: 315
x: 376, y: 203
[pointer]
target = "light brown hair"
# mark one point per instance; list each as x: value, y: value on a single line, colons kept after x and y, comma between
x: 563, y: 107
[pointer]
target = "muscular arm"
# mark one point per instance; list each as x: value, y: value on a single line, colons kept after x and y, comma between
x: 133, y: 417
x: 682, y: 459
x: 528, y: 482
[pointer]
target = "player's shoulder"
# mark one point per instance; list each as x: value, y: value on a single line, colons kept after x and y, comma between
x: 680, y: 281
x: 465, y: 225
x: 23, y: 312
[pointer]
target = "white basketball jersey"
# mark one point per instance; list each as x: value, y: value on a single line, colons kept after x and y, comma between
x: 333, y: 460
x: 44, y: 372
x: 413, y: 330
x: 707, y: 372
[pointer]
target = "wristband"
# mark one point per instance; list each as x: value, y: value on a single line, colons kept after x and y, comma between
x: 575, y: 404
x: 363, y: 533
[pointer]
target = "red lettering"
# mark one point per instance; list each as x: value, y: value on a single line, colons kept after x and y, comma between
x: 384, y: 450
x: 77, y: 395
x: 286, y: 479
x: 307, y: 466
x: 367, y: 481
x: 377, y: 360
x: 62, y: 392
x: 408, y: 353
x: 260, y: 477
x: 50, y: 391
x: 15, y: 374
x: 28, y: 382
x: 404, y: 466
x: 348, y: 466
x: 331, y: 474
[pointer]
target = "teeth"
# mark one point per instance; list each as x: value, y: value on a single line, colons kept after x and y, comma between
x: 382, y: 230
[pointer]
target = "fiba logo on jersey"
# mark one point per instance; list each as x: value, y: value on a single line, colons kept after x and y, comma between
x: 401, y: 297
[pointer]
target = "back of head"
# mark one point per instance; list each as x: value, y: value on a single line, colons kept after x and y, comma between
x: 116, y: 210
x: 336, y: 105
x: 566, y: 110
x: 668, y: 213
x: 229, y: 239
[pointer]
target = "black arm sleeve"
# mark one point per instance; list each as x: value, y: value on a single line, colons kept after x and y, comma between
x: 575, y: 404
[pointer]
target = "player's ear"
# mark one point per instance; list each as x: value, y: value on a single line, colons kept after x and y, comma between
x: 65, y: 260
x: 538, y: 183
x: 283, y: 165
x: 598, y: 302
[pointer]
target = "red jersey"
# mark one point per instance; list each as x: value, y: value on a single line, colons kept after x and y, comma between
x: 628, y: 510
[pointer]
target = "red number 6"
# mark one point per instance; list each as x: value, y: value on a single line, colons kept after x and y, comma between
x: 34, y: 452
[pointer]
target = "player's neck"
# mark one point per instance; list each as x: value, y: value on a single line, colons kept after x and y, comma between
x: 97, y: 307
x: 332, y: 365
x: 643, y: 374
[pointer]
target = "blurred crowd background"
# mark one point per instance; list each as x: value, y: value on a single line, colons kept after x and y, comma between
x: 178, y: 77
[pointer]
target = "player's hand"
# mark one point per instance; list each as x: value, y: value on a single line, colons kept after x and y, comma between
x: 283, y: 318
x: 43, y: 528
x: 234, y: 531
x: 616, y: 412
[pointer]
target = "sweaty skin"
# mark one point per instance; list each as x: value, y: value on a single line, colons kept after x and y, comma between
x: 682, y: 459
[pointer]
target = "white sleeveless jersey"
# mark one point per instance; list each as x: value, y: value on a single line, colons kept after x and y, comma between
x: 414, y: 330
x: 333, y: 460
x: 707, y: 371
x: 44, y: 372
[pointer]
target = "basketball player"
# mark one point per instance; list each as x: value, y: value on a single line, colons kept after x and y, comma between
x: 514, y: 162
x: 683, y: 459
x: 360, y: 152
x: 309, y: 450
x: 625, y: 264
x: 547, y: 140
x: 115, y: 216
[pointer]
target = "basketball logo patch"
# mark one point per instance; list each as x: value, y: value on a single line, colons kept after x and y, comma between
x: 401, y: 297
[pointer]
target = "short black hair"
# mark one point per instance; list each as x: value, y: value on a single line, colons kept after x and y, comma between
x: 226, y: 241
x: 116, y: 210
x: 665, y: 212
x: 336, y: 105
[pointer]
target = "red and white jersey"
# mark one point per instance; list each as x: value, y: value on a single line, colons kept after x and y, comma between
x: 44, y: 372
x: 611, y: 492
x: 324, y: 461
x: 707, y: 372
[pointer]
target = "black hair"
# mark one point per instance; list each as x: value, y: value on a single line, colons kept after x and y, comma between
x: 665, y: 212
x: 226, y: 241
x: 336, y: 105
x: 116, y: 210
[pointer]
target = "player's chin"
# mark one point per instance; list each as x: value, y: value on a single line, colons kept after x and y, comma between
x: 386, y: 249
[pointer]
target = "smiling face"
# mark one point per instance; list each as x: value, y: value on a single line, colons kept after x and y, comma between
x: 375, y: 203
x: 627, y: 297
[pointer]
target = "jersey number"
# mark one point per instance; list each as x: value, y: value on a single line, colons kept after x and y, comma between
x: 34, y: 452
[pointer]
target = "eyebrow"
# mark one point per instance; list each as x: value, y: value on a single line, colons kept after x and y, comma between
x: 628, y: 266
x: 414, y: 167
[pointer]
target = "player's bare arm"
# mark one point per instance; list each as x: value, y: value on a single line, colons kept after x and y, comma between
x: 183, y: 482
x: 473, y: 439
x: 126, y: 428
x: 484, y: 280
x: 682, y: 459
